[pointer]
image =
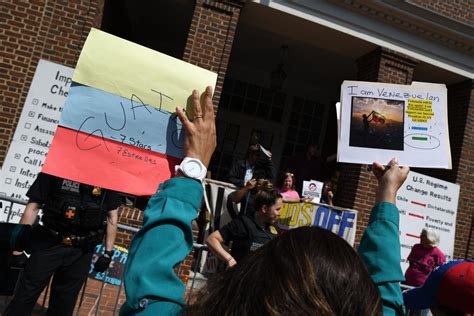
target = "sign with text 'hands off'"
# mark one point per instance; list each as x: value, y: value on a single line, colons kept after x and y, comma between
x: 117, y: 130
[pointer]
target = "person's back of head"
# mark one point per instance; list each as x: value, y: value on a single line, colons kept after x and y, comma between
x: 253, y: 153
x: 429, y: 238
x: 265, y: 194
x: 306, y: 271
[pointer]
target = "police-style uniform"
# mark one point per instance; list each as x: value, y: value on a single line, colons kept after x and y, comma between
x: 75, y: 215
x: 246, y: 235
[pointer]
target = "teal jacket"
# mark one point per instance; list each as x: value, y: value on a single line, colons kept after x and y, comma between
x: 166, y: 238
x: 380, y: 250
x: 152, y: 287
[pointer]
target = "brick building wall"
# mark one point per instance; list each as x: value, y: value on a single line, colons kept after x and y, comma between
x: 459, y: 10
x: 131, y: 217
x: 461, y: 121
x: 211, y: 36
x: 33, y: 30
x: 209, y: 44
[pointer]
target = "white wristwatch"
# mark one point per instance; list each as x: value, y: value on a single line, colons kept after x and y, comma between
x: 192, y: 168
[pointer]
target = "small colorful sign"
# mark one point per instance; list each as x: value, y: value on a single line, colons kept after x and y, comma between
x: 312, y: 189
x: 114, y: 274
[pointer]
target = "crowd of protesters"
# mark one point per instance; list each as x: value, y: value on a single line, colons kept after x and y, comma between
x: 305, y: 271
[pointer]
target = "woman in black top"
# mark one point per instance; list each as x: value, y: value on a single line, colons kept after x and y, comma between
x: 248, y: 233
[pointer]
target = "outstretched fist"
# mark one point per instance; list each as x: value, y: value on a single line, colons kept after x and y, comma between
x: 390, y: 178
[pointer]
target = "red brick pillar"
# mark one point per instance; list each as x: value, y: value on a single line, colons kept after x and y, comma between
x: 461, y: 131
x: 211, y: 36
x: 357, y: 185
x: 33, y: 30
x: 209, y: 45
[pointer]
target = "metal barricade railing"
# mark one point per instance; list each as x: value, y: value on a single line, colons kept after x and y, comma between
x: 198, y: 249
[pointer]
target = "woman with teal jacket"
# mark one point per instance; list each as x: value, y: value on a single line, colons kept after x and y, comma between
x: 152, y: 287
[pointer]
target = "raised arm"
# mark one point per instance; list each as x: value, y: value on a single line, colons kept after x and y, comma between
x: 166, y: 237
x: 238, y: 195
x: 380, y: 244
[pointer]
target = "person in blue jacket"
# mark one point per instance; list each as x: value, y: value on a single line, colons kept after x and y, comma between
x: 333, y: 279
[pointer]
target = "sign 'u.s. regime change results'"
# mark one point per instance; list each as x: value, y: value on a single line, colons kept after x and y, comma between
x: 117, y: 130
x: 427, y: 203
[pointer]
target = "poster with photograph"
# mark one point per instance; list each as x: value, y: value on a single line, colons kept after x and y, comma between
x: 380, y: 121
x: 313, y: 189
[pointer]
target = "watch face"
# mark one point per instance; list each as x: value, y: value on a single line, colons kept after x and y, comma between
x: 192, y: 168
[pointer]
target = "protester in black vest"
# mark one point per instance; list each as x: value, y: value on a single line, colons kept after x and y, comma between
x: 75, y: 218
x: 249, y: 232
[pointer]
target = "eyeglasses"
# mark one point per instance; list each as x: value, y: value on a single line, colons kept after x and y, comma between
x: 289, y: 174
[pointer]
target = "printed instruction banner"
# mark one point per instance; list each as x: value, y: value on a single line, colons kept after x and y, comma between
x: 427, y: 202
x: 34, y: 134
x: 380, y: 121
x: 340, y: 221
x: 117, y: 130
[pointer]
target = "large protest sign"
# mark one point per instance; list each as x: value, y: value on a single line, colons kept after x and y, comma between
x: 338, y: 220
x: 380, y: 121
x: 117, y: 130
x: 34, y: 134
x: 219, y: 203
x: 426, y: 202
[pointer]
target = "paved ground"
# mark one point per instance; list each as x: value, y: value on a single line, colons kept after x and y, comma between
x: 91, y: 299
x: 89, y: 302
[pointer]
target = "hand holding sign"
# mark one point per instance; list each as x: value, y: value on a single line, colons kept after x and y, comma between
x: 200, y: 140
x: 390, y: 179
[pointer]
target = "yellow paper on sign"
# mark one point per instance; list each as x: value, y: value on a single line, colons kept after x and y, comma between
x: 123, y: 68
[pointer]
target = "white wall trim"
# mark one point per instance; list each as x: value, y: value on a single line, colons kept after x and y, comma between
x: 382, y: 34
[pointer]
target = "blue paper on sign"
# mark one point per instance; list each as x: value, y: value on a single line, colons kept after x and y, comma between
x: 128, y: 121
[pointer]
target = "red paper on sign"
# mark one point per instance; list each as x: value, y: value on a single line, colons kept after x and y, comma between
x: 108, y: 164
